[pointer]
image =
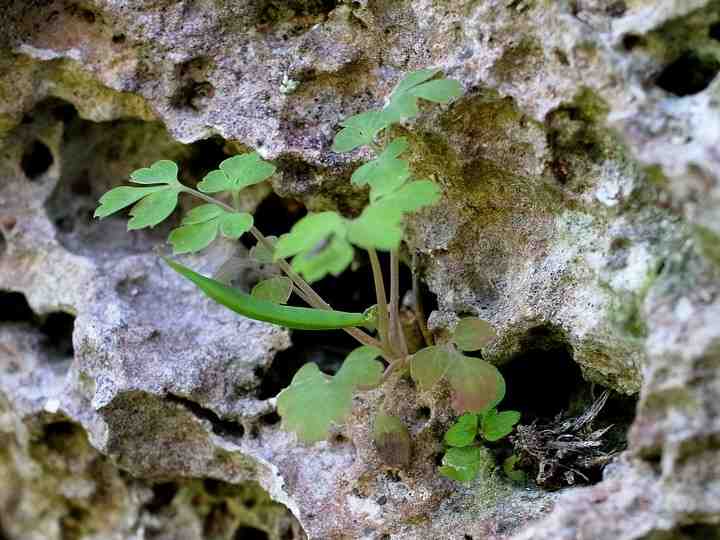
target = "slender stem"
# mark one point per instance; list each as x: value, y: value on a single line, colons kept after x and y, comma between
x: 382, y: 310
x: 302, y: 287
x: 419, y: 311
x: 397, y: 336
x: 236, y: 199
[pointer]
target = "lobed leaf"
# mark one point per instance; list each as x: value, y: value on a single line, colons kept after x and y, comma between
x: 262, y: 254
x: 160, y: 172
x: 202, y: 214
x: 461, y: 464
x: 214, y: 182
x: 308, y: 233
x: 359, y: 130
x: 410, y: 197
x: 472, y: 334
x: 385, y: 173
x: 192, y: 238
x: 314, y: 401
x: 333, y: 259
x: 276, y: 289
x: 234, y: 225
x: 497, y: 425
x: 477, y: 385
x: 462, y: 432
x: 429, y: 365
x: 377, y: 227
x: 122, y: 197
x: 392, y: 440
x: 246, y: 170
x: 403, y: 100
x: 153, y: 209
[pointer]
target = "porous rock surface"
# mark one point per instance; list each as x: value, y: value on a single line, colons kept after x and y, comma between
x: 581, y: 215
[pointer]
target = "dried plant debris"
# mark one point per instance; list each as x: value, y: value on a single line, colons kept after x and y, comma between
x: 566, y: 451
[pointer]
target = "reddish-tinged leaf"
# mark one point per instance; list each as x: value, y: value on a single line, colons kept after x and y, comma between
x: 477, y: 385
x: 429, y: 365
x: 472, y: 334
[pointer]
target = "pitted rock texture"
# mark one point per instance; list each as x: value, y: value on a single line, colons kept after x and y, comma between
x: 580, y: 215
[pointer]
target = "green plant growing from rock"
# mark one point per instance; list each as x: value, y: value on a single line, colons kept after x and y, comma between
x: 322, y: 244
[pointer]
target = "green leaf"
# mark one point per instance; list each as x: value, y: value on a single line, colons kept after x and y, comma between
x: 276, y: 289
x: 359, y: 130
x: 314, y: 401
x: 392, y: 440
x: 462, y: 432
x: 472, y: 334
x: 477, y: 385
x: 361, y: 368
x: 262, y: 254
x: 214, y: 182
x: 192, y: 238
x: 160, y: 172
x: 153, y: 209
x: 246, y: 170
x: 461, y: 464
x: 516, y: 475
x: 308, y: 233
x: 234, y: 225
x: 403, y: 100
x: 384, y: 173
x: 411, y: 197
x: 122, y: 197
x: 202, y: 213
x: 497, y: 425
x: 429, y: 365
x: 333, y: 259
x: 376, y: 228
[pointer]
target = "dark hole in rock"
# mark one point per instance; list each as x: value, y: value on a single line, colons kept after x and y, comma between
x: 689, y: 74
x: 3, y: 243
x: 270, y: 419
x: 423, y: 413
x: 352, y: 291
x: 250, y: 533
x: 272, y: 12
x: 542, y: 379
x: 438, y: 458
x: 699, y: 531
x: 36, y: 159
x: 632, y: 41
x: 56, y: 328
x: 58, y: 436
x: 275, y: 215
x: 119, y: 38
x: 73, y: 522
x: 393, y: 476
x: 467, y: 537
x: 224, y: 428
x: 714, y: 31
x: 163, y: 495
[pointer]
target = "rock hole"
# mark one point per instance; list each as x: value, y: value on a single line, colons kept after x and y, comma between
x: 119, y: 39
x: 247, y: 532
x: 56, y: 328
x: 72, y: 524
x: 36, y: 160
x: 423, y: 413
x: 223, y: 428
x: 270, y: 419
x: 163, y: 495
x: 194, y: 90
x: 714, y: 31
x: 542, y: 378
x: 56, y: 436
x: 276, y: 215
x: 632, y: 41
x: 689, y: 74
x: 3, y: 243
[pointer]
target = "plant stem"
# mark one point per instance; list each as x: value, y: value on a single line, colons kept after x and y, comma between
x: 383, y: 322
x: 419, y: 311
x: 397, y: 336
x: 304, y: 290
x: 236, y: 199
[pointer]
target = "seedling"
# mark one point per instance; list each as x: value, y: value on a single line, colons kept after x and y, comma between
x: 322, y: 244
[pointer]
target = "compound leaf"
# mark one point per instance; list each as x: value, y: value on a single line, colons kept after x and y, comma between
x: 472, y: 334
x: 411, y: 197
x: 192, y: 238
x: 246, y: 170
x: 440, y: 91
x: 403, y: 100
x: 122, y: 197
x: 201, y: 214
x: 496, y: 425
x: 234, y: 225
x: 462, y: 432
x: 385, y: 173
x: 359, y: 130
x: 160, y: 172
x: 153, y: 209
x: 276, y: 289
x: 429, y: 365
x: 332, y: 258
x: 461, y: 464
x: 477, y: 385
x: 310, y: 232
x: 392, y: 440
x: 214, y: 182
x: 312, y: 403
